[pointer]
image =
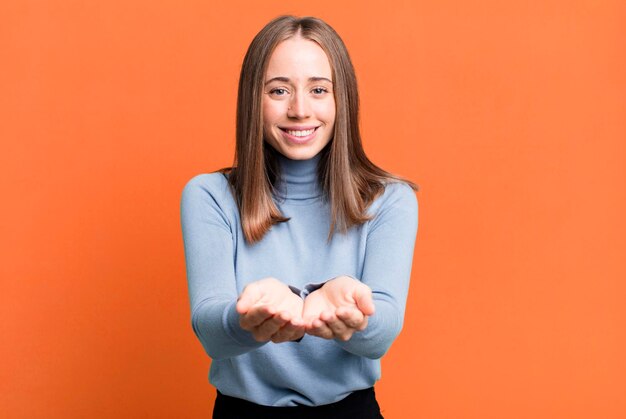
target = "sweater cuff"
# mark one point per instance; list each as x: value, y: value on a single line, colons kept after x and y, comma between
x: 308, y: 289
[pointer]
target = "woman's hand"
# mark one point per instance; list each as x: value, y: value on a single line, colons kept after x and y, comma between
x: 338, y: 309
x: 271, y: 311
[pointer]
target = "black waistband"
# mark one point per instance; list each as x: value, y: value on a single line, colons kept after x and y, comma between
x: 359, y: 404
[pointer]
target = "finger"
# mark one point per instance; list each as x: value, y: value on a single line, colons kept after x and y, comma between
x: 338, y: 327
x: 362, y: 326
x: 298, y: 334
x: 250, y: 295
x: 269, y: 327
x: 363, y: 297
x: 320, y: 329
x: 308, y: 321
x: 309, y: 316
x: 351, y: 317
x: 255, y: 317
x: 290, y: 331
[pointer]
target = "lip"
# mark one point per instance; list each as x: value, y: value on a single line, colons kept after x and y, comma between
x: 298, y: 140
x: 298, y: 127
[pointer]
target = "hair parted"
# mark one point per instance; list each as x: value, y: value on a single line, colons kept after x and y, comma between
x: 350, y: 181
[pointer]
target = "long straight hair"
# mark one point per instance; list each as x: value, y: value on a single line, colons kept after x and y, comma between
x: 349, y: 180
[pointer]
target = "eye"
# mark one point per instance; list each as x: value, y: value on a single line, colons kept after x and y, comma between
x: 319, y: 90
x: 278, y: 91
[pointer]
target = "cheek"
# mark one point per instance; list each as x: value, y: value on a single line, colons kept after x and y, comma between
x: 271, y: 113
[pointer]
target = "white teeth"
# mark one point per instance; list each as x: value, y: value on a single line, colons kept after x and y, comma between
x: 301, y: 133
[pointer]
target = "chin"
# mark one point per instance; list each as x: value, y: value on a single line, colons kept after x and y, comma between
x: 300, y: 155
x: 296, y: 152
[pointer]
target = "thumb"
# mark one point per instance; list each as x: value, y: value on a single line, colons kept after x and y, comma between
x: 312, y: 308
x: 250, y: 295
x: 363, y: 298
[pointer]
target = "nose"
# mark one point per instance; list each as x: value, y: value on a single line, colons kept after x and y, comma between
x: 299, y: 107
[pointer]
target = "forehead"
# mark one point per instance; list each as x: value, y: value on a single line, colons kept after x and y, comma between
x: 298, y: 58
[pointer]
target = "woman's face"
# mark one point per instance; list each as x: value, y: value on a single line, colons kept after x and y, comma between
x: 298, y: 99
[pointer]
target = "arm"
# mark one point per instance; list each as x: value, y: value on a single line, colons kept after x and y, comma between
x: 346, y: 309
x: 226, y: 325
x: 209, y: 257
x: 387, y: 271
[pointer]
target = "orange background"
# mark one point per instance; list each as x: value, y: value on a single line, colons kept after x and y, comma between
x: 509, y: 114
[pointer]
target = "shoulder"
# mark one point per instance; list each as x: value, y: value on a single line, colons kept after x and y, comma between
x: 215, y: 184
x: 207, y: 180
x: 208, y: 189
x: 396, y: 206
x: 396, y: 194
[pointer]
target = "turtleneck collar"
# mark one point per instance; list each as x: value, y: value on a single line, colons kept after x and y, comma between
x: 298, y: 178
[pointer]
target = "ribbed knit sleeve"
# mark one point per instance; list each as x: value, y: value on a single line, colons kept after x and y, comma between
x: 209, y: 253
x: 387, y: 269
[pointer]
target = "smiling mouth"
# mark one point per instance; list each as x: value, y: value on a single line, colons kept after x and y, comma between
x: 299, y: 133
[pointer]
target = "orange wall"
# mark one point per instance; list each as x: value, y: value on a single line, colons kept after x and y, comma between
x: 509, y: 114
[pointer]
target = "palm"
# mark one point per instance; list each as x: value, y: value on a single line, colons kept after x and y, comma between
x: 327, y: 299
x: 270, y: 311
x: 338, y: 309
x: 278, y: 296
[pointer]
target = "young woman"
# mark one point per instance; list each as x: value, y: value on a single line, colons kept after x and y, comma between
x: 299, y: 256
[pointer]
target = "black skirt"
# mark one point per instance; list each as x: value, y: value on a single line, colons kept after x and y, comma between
x: 361, y: 404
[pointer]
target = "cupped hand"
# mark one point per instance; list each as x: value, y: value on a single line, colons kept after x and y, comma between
x: 271, y: 311
x: 338, y: 309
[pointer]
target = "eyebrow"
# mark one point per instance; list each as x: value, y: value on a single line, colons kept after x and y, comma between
x: 287, y: 80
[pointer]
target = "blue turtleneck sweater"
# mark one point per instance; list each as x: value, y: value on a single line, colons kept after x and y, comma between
x: 313, y: 371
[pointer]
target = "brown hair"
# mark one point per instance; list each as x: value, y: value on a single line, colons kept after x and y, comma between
x: 350, y: 181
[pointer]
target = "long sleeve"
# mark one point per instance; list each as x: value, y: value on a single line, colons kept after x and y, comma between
x: 387, y: 270
x: 220, y: 263
x: 208, y: 239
